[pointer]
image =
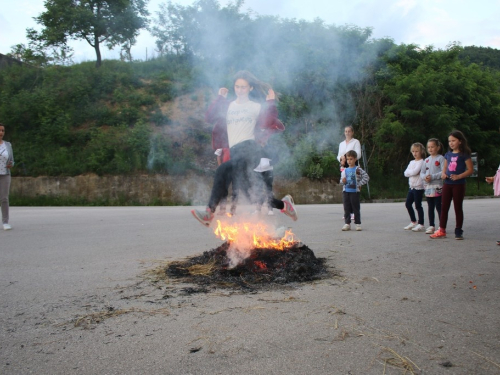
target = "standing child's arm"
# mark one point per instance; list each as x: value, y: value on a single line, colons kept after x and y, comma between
x: 437, y: 175
x: 363, y: 177
x: 423, y: 170
x: 413, y: 169
x: 445, y: 168
x: 467, y: 173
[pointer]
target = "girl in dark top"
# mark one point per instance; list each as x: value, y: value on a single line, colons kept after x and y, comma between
x: 457, y: 166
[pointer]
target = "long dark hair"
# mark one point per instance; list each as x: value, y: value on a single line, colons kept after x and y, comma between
x: 260, y: 89
x: 463, y: 147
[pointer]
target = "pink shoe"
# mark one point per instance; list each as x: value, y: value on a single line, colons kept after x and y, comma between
x: 204, y: 217
x: 440, y: 233
x: 289, y: 208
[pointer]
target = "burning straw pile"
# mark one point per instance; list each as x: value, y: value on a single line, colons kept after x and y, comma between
x: 250, y: 258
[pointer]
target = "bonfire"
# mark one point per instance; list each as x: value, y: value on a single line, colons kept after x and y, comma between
x: 253, y: 255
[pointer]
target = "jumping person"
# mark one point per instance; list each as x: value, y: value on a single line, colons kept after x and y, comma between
x: 416, y: 190
x: 241, y: 125
x: 6, y: 163
x: 457, y: 166
x: 433, y: 184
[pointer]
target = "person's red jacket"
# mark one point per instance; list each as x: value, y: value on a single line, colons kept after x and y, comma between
x: 267, y: 123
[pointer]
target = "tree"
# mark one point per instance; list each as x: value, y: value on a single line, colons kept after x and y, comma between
x: 428, y: 93
x: 112, y: 22
x: 37, y: 55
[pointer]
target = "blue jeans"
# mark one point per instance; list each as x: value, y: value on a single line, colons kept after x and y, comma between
x: 433, y: 203
x: 415, y: 196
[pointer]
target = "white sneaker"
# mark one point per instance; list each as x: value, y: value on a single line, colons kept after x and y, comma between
x: 430, y: 230
x: 419, y: 228
x: 7, y: 227
x: 346, y: 227
x: 358, y: 227
x: 410, y: 226
x: 270, y: 213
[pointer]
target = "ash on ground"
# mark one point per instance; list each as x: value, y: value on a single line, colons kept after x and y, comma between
x: 264, y: 269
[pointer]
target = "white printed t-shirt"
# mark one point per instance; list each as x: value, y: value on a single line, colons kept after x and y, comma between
x: 241, y: 120
x: 4, y: 156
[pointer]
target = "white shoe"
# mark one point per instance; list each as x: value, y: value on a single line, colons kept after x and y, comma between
x: 358, y: 227
x: 410, y: 226
x: 430, y: 230
x: 270, y: 213
x: 7, y: 227
x: 346, y: 227
x: 419, y: 228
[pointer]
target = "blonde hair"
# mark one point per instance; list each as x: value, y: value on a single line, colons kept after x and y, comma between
x: 420, y: 147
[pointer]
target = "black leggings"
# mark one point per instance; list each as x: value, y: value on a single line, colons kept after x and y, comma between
x: 239, y: 171
x: 433, y: 203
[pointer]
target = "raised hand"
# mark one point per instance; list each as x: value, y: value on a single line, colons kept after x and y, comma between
x: 270, y: 95
x: 223, y: 92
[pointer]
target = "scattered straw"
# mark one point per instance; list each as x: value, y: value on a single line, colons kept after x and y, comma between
x: 487, y: 359
x: 98, y: 317
x: 202, y: 269
x: 398, y: 361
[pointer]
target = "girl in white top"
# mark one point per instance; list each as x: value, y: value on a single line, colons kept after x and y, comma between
x: 433, y: 183
x: 416, y: 191
x: 350, y: 143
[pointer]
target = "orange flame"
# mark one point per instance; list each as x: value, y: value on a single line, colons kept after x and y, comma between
x: 260, y: 264
x: 258, y: 235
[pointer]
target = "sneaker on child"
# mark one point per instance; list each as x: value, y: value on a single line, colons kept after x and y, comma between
x: 410, y: 226
x: 7, y: 227
x: 289, y: 208
x: 440, y: 233
x: 459, y: 234
x: 419, y: 228
x: 430, y: 230
x: 358, y: 227
x: 204, y: 217
x: 346, y: 227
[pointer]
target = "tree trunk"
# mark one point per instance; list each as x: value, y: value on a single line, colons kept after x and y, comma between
x: 97, y: 52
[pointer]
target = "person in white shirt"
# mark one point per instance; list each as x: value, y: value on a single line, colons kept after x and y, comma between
x: 6, y: 163
x: 350, y: 143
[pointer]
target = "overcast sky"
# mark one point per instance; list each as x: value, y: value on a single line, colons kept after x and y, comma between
x: 422, y: 22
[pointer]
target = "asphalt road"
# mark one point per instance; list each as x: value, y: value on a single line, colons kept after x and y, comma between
x: 74, y: 298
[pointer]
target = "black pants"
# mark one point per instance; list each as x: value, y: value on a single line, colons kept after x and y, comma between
x: 433, y: 203
x: 222, y: 180
x: 415, y: 196
x: 351, y: 204
x: 239, y: 171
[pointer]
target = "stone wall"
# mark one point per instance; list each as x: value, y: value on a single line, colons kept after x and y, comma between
x: 157, y: 189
